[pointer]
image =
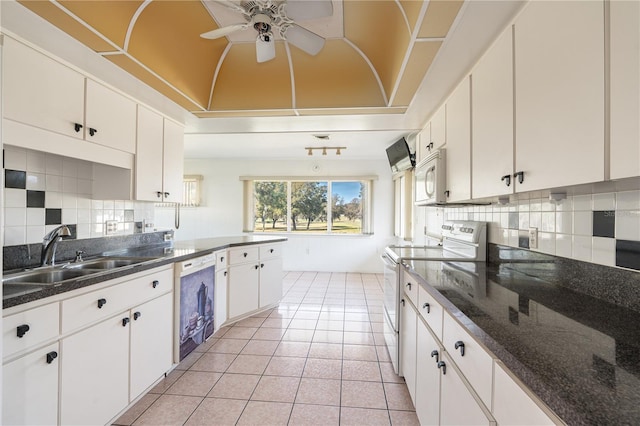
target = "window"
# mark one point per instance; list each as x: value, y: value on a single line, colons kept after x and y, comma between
x: 191, y: 190
x: 300, y: 205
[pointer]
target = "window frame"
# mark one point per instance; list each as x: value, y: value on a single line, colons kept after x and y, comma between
x: 367, y: 203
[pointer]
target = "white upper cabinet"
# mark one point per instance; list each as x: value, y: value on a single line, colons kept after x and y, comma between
x: 458, y: 131
x: 423, y: 139
x: 110, y: 118
x: 159, y: 159
x: 559, y: 86
x: 625, y: 89
x: 438, y: 129
x: 492, y: 126
x: 41, y: 92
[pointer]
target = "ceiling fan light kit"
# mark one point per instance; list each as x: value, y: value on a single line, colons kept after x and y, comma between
x: 263, y: 15
x: 324, y: 149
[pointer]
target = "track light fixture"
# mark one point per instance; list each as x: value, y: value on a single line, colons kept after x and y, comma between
x: 324, y: 149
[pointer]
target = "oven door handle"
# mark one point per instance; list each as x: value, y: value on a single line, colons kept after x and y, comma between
x: 388, y: 262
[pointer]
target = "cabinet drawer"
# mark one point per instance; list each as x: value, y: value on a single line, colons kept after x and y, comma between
x: 221, y: 259
x: 99, y: 304
x: 242, y: 255
x: 431, y: 311
x: 410, y: 287
x: 476, y: 364
x: 35, y: 325
x: 268, y: 251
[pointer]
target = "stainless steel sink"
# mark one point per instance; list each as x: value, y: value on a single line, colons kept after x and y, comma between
x: 107, y: 263
x: 48, y: 276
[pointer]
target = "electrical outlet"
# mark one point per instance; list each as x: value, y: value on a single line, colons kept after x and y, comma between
x: 168, y: 236
x: 533, y: 238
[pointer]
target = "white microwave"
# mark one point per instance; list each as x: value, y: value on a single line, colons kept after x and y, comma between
x: 430, y: 185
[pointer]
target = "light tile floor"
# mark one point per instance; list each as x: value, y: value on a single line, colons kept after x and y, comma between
x: 319, y: 358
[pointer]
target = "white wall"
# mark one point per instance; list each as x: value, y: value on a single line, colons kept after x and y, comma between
x: 221, y: 214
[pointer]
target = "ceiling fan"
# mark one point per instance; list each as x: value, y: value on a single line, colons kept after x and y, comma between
x: 265, y: 15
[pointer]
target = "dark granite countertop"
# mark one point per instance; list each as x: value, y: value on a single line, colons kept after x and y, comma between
x: 161, y: 254
x: 578, y: 353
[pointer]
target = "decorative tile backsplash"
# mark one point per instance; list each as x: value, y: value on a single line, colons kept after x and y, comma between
x: 598, y: 228
x: 45, y: 190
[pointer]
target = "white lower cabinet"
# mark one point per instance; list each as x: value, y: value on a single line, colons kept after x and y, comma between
x: 151, y: 342
x: 408, y: 344
x: 243, y: 289
x: 30, y: 388
x: 270, y: 281
x: 95, y: 373
x: 220, y: 298
x: 427, y: 400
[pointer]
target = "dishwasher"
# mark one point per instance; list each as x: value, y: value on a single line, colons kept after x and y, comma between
x: 194, y: 292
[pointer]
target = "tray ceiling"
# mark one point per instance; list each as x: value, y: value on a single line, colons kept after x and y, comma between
x: 376, y: 54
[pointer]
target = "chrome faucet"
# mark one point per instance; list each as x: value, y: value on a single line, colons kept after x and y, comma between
x: 50, y: 243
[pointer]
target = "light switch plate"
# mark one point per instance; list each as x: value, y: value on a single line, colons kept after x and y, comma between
x: 533, y: 238
x: 111, y: 227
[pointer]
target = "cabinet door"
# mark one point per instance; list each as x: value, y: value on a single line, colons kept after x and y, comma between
x: 427, y: 400
x: 39, y: 91
x: 408, y: 319
x: 512, y: 404
x: 243, y: 288
x: 173, y: 162
x: 151, y: 343
x: 220, y: 298
x: 149, y: 155
x: 30, y: 328
x: 625, y: 89
x: 95, y: 373
x: 458, y: 403
x: 438, y: 128
x: 458, y: 128
x: 30, y: 389
x: 270, y: 281
x: 422, y: 143
x: 112, y: 115
x: 492, y: 126
x: 559, y: 74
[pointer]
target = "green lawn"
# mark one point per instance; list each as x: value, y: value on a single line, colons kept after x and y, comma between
x: 338, y: 227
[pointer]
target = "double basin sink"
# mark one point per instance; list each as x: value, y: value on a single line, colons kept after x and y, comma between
x: 35, y: 279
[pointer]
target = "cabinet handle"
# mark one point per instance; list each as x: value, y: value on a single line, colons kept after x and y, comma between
x: 166, y: 194
x: 402, y: 301
x: 506, y: 179
x: 136, y: 315
x: 125, y: 321
x: 427, y: 307
x: 430, y: 146
x: 221, y: 258
x: 159, y: 194
x: 409, y: 285
x: 77, y: 127
x: 441, y: 364
x: 435, y: 353
x: 257, y: 266
x: 92, y: 131
x: 446, y: 193
x: 245, y: 254
x: 271, y: 251
x: 225, y: 273
x: 22, y: 330
x: 101, y: 303
x: 460, y: 345
x: 262, y: 265
x: 520, y: 176
x: 155, y: 283
x: 51, y: 356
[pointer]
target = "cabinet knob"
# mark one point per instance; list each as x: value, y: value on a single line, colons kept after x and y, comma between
x: 520, y: 176
x: 155, y: 283
x: 506, y: 179
x: 427, y: 307
x: 101, y: 303
x: 257, y: 266
x: 159, y: 194
x: 262, y: 265
x: 245, y: 254
x: 460, y: 345
x: 443, y: 366
x: 51, y: 356
x: 430, y: 146
x: 447, y: 193
x: 435, y: 353
x: 402, y: 301
x: 225, y: 273
x: 409, y: 285
x: 77, y: 127
x: 125, y: 321
x: 270, y: 250
x: 166, y: 194
x: 136, y: 315
x: 221, y: 258
x: 22, y: 330
x: 92, y: 131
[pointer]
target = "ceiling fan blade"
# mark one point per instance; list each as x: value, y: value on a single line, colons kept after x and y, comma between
x: 224, y: 31
x: 300, y: 10
x: 304, y: 39
x: 265, y: 50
